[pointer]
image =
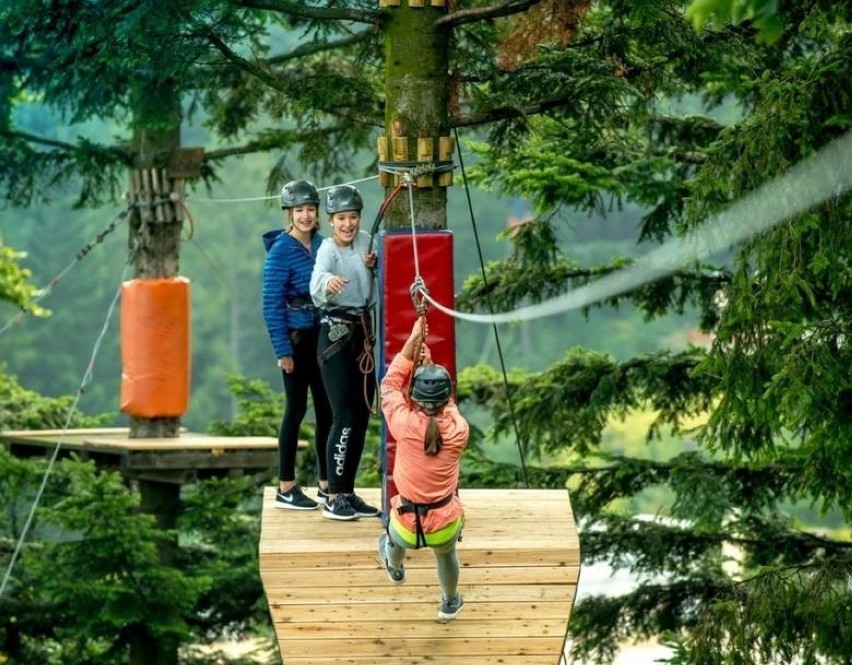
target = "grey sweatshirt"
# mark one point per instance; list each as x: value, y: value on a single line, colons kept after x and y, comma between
x: 347, y: 262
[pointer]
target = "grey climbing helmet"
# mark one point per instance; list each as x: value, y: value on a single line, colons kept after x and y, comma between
x: 299, y: 193
x: 342, y: 198
x: 432, y: 385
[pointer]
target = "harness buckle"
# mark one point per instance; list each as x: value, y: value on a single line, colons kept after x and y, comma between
x: 337, y: 331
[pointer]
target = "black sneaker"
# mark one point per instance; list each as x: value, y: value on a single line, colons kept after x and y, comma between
x: 339, y: 509
x: 363, y: 509
x: 395, y: 575
x: 322, y: 496
x: 295, y: 499
x: 450, y: 608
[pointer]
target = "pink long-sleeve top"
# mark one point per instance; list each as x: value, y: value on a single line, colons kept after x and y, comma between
x: 419, y: 477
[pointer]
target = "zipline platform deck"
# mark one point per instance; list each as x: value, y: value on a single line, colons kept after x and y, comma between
x: 331, y: 601
x: 179, y: 459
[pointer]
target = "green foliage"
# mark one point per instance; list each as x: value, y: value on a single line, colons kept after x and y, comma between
x: 643, y: 113
x: 27, y: 410
x: 259, y: 410
x: 774, y: 384
x: 762, y: 14
x: 115, y: 550
x: 14, y: 281
x: 90, y: 574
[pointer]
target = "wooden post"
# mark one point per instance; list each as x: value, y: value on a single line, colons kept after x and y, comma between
x: 400, y: 153
x: 385, y: 179
x: 446, y: 146
x: 425, y: 153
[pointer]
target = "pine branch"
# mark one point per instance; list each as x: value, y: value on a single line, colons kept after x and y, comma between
x: 479, y: 14
x: 273, y: 141
x: 507, y: 112
x: 61, y: 145
x: 275, y: 82
x: 320, y: 47
x: 600, y: 625
x: 250, y: 68
x: 300, y: 10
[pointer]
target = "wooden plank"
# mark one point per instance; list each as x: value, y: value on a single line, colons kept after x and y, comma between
x: 392, y: 628
x: 397, y: 594
x: 436, y: 647
x: 117, y: 438
x: 419, y: 576
x: 427, y: 659
x: 201, y: 459
x: 370, y: 612
x: 332, y: 559
x: 330, y: 600
x: 312, y: 526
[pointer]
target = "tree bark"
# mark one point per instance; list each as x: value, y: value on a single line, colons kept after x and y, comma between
x: 417, y: 89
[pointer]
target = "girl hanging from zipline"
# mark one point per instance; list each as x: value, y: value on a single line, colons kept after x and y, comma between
x: 431, y: 436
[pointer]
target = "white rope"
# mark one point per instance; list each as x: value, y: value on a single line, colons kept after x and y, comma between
x: 87, y: 378
x: 813, y: 180
x: 409, y: 184
x: 276, y: 196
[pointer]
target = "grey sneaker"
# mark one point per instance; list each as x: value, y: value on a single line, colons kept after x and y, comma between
x: 339, y: 509
x: 295, y: 499
x: 395, y: 575
x: 322, y: 496
x: 450, y: 608
x: 363, y: 509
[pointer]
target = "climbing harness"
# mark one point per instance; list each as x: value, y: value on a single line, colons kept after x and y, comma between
x: 420, y: 510
x: 342, y: 326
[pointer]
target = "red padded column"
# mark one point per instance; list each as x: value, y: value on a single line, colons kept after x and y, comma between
x: 396, y: 274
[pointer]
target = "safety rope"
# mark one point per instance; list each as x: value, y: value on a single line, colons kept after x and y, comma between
x: 800, y: 188
x: 366, y: 361
x: 87, y: 378
x: 519, y: 441
x: 409, y: 182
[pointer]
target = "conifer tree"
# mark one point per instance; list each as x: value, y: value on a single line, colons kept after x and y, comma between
x: 584, y: 108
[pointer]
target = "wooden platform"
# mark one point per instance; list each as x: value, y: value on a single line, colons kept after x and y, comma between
x: 331, y: 601
x: 179, y: 460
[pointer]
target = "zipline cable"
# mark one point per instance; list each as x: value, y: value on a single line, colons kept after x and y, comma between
x: 826, y: 174
x: 87, y: 378
x: 518, y: 440
x: 84, y: 251
x: 275, y: 196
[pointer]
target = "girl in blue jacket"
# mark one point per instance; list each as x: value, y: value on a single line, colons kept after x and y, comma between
x: 292, y: 322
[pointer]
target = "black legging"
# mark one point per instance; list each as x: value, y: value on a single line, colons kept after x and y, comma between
x: 350, y: 402
x: 306, y: 374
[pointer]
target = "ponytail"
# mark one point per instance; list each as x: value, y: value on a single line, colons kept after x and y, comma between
x: 433, y: 441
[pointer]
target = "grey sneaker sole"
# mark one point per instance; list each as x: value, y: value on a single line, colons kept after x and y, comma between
x: 376, y: 514
x: 327, y: 514
x: 290, y: 506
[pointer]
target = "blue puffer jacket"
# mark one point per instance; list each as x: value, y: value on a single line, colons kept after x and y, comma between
x: 286, y: 288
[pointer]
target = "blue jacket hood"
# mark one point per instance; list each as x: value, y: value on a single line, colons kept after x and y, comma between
x: 270, y: 237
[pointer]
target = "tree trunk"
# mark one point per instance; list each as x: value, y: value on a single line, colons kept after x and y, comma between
x: 163, y: 501
x: 417, y: 89
x: 154, y: 246
x: 155, y: 252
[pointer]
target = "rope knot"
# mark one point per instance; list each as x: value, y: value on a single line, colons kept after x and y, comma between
x: 419, y: 295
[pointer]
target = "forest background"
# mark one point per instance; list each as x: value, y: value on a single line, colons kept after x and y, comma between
x: 774, y: 375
